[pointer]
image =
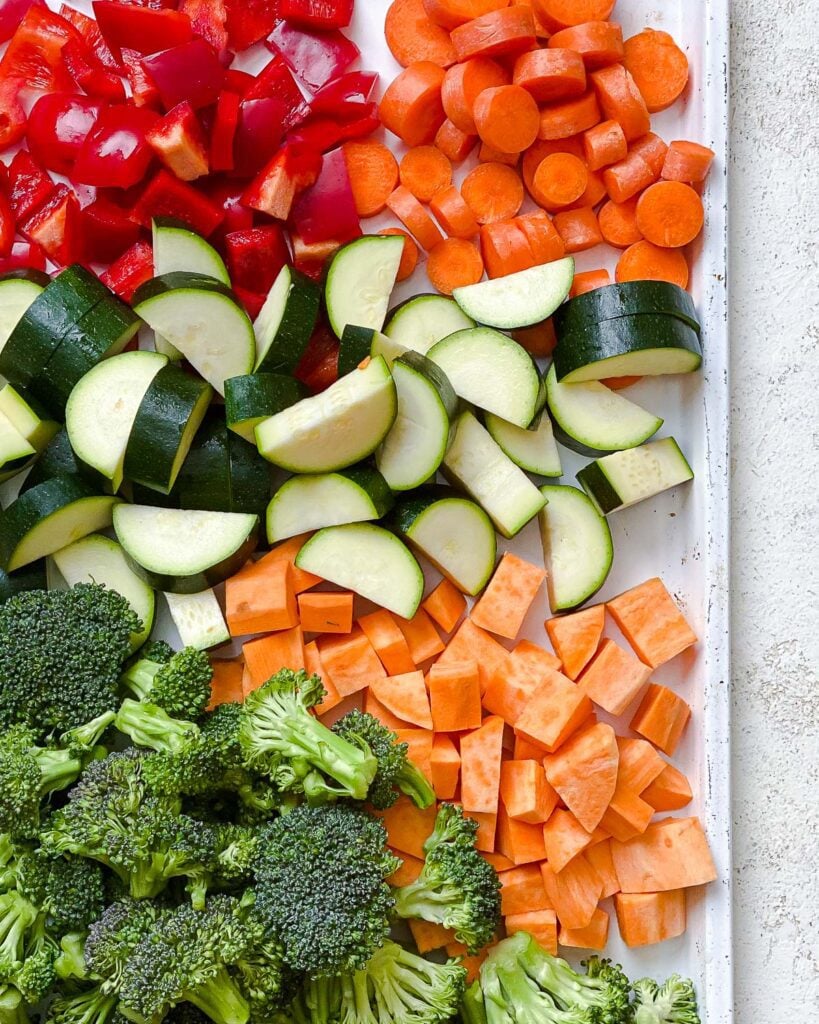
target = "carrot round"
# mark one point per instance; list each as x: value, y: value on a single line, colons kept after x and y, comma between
x: 687, y: 161
x: 414, y: 217
x: 451, y: 13
x: 453, y: 143
x: 551, y: 75
x: 652, y: 149
x: 488, y: 155
x: 604, y: 144
x: 373, y: 174
x: 424, y: 171
x: 539, y: 340
x: 493, y: 192
x: 618, y: 223
x: 507, y: 31
x: 453, y: 214
x: 598, y: 42
x: 454, y: 263
x: 545, y: 243
x: 411, y: 107
x: 412, y: 36
x: 620, y: 100
x: 560, y: 180
x: 464, y: 83
x: 588, y: 281
x: 619, y: 383
x: 628, y: 177
x: 505, y: 248
x: 536, y: 154
x: 561, y: 120
x: 658, y: 66
x: 409, y: 256
x: 507, y: 118
x: 670, y: 214
x: 646, y: 262
x: 578, y: 229
x: 559, y: 14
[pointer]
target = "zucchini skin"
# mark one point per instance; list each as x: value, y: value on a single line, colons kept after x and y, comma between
x: 355, y: 345
x: 30, y: 577
x: 599, y: 489
x: 413, y: 505
x: 256, y: 395
x: 296, y: 326
x: 626, y: 298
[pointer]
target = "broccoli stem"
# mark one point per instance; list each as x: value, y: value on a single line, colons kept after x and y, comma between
x: 85, y: 736
x: 149, y: 726
x: 12, y: 1009
x: 419, y: 900
x: 473, y: 1010
x: 556, y: 976
x: 413, y: 783
x: 58, y: 769
x: 221, y: 1000
x: 18, y: 915
x: 139, y: 679
x: 70, y: 962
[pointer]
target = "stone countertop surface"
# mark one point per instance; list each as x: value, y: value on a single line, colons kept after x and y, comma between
x: 774, y: 277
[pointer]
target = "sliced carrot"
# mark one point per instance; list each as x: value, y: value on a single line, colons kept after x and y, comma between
x: 260, y: 599
x: 314, y: 666
x: 445, y: 604
x: 670, y: 791
x: 627, y: 177
x: 374, y: 707
x: 595, y: 192
x: 557, y: 708
x: 540, y: 339
x: 651, y: 622
x: 658, y: 66
x: 373, y: 174
x: 646, y: 262
x: 551, y: 75
x: 453, y: 143
x: 560, y: 14
x: 493, y: 192
x: 652, y: 149
x: 670, y: 854
x: 619, y: 383
x: 535, y: 657
x: 350, y: 661
x: 419, y: 748
x: 414, y: 217
x: 428, y: 936
x: 462, y: 85
x: 505, y: 248
x: 564, y: 838
x: 560, y: 180
x: 487, y: 830
x: 408, y: 827
x: 409, y: 871
x: 508, y: 596
x: 520, y: 842
x: 650, y: 917
x: 687, y: 161
x: 562, y: 120
x: 661, y: 718
x: 488, y: 155
x: 269, y: 654
x: 598, y: 42
x: 589, y: 281
x: 522, y: 890
x: 226, y: 683
x: 599, y: 856
x: 620, y: 100
x: 604, y: 144
x: 412, y: 36
x: 574, y: 891
x: 423, y: 639
x: 326, y: 613
x: 455, y: 696
x: 409, y: 255
x: 525, y: 793
x: 481, y: 752
x: 381, y: 629
x: 473, y: 643
x: 508, y: 31
x: 627, y: 816
x: 670, y: 214
x: 594, y: 936
x: 618, y: 223
x: 451, y: 13
x: 511, y: 690
x: 507, y: 118
x: 578, y: 229
x: 424, y: 171
x: 454, y: 263
x: 406, y: 696
x: 540, y: 924
x: 640, y: 764
x: 411, y: 107
x: 544, y: 241
x: 584, y: 773
x: 445, y: 765
x: 614, y: 678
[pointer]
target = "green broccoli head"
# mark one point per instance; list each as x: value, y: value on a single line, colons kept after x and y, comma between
x: 89, y: 1006
x: 12, y: 1006
x: 147, y: 725
x: 114, y: 936
x: 178, y: 682
x: 38, y: 972
x: 281, y: 737
x: 320, y: 886
x: 396, y: 774
x: 61, y: 655
x: 17, y: 917
x: 673, y: 1002
x: 68, y: 891
x: 457, y: 887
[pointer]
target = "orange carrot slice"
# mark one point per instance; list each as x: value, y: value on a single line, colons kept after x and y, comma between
x: 563, y: 120
x: 650, y: 917
x: 454, y: 263
x: 505, y: 32
x: 540, y: 339
x: 507, y: 118
x: 627, y: 177
x: 620, y: 100
x: 373, y: 174
x: 670, y: 214
x: 604, y: 144
x: 453, y: 143
x: 578, y: 229
x: 598, y: 42
x: 671, y: 854
x: 414, y: 217
x: 646, y: 262
x: 560, y: 180
x: 464, y: 83
x: 493, y: 192
x: 412, y: 36
x: 652, y: 149
x: 411, y: 107
x: 658, y: 66
x: 409, y: 255
x: 588, y: 281
x: 424, y: 171
x: 560, y: 14
x: 451, y: 13
x: 618, y: 223
x: 551, y: 75
x: 687, y: 161
x: 584, y: 773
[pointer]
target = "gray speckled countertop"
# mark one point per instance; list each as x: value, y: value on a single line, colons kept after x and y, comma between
x: 775, y: 515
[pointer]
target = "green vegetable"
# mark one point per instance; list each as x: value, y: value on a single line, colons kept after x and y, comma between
x: 178, y: 682
x: 673, y: 1002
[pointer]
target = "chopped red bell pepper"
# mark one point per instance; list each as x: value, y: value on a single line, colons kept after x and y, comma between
x: 23, y: 256
x: 252, y: 301
x: 179, y: 142
x: 238, y: 81
x: 325, y: 134
x: 90, y: 75
x: 56, y: 227
x: 29, y: 186
x: 189, y: 72
x: 258, y: 134
x: 209, y: 21
x: 248, y: 21
x: 11, y: 14
x: 57, y: 127
x: 312, y: 259
x: 107, y: 231
x: 274, y: 189
x: 223, y: 131
x: 90, y: 31
x: 116, y: 154
x: 320, y: 14
x: 255, y: 257
x: 141, y: 28
x: 315, y: 58
x: 133, y: 268
x: 327, y: 210
x: 144, y: 92
x: 166, y: 196
x: 34, y: 54
x: 318, y: 367
x: 12, y: 115
x: 344, y: 98
x: 6, y: 225
x: 226, y: 194
x: 276, y: 81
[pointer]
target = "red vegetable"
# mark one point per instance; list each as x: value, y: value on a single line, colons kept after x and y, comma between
x: 23, y: 255
x: 144, y: 92
x: 273, y: 191
x: 115, y: 153
x: 209, y: 20
x: 106, y: 230
x: 56, y: 226
x: 238, y: 81
x: 90, y: 75
x: 34, y: 54
x: 179, y: 142
x: 318, y: 367
x: 327, y: 210
x: 346, y: 96
x: 57, y: 127
x: 258, y: 134
x: 141, y: 28
x: 326, y: 134
x: 12, y: 115
x: 165, y: 196
x: 315, y: 58
x: 6, y: 225
x: 190, y: 71
x: 28, y: 186
x: 275, y: 81
x: 255, y: 257
x: 248, y: 21
x: 223, y: 131
x: 133, y: 268
x: 11, y: 14
x: 320, y: 14
x: 90, y: 32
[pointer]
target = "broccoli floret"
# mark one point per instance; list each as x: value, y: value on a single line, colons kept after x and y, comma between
x: 457, y: 887
x: 280, y: 736
x: 673, y: 1002
x: 90, y: 1006
x: 396, y: 774
x: 186, y: 959
x: 17, y: 917
x: 70, y: 962
x: 69, y: 891
x: 179, y: 683
x: 147, y: 725
x: 266, y: 981
x: 320, y: 886
x: 61, y: 655
x: 115, y: 935
x: 12, y: 1006
x: 38, y: 971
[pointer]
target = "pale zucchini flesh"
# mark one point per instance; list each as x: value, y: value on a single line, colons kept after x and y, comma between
x: 457, y: 536
x: 622, y: 479
x: 518, y: 300
x: 313, y: 501
x: 360, y: 281
x: 577, y: 547
x: 198, y: 619
x: 534, y: 449
x: 423, y: 321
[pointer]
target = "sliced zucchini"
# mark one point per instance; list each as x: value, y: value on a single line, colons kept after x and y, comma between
x: 454, y: 533
x: 15, y: 451
x: 617, y: 481
x: 50, y: 516
x: 204, y: 320
x: 103, y: 406
x: 311, y: 502
x: 360, y: 281
x: 518, y: 300
x: 533, y: 450
x: 355, y: 345
x: 477, y: 463
x: 644, y: 345
x: 493, y: 372
x: 387, y: 347
x: 182, y: 551
x: 198, y: 619
x: 414, y: 448
x: 286, y: 321
x: 36, y: 429
x: 179, y: 249
x: 423, y: 321
x: 98, y: 559
x: 577, y: 547
x: 626, y: 299
x: 593, y: 420
x: 57, y: 457
x: 33, y: 577
x: 335, y: 429
x: 368, y: 560
x: 255, y: 396
x: 18, y: 289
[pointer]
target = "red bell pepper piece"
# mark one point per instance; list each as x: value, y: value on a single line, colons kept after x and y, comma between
x: 133, y: 268
x: 34, y: 54
x: 166, y: 196
x: 255, y: 257
x: 6, y: 225
x: 57, y: 127
x: 56, y: 227
x: 223, y: 131
x: 90, y: 75
x: 258, y: 134
x: 107, y: 231
x: 179, y: 142
x: 276, y: 81
x: 28, y: 186
x: 189, y: 72
x: 326, y: 134
x: 318, y: 367
x: 12, y: 115
x: 11, y: 14
x: 248, y: 21
x: 238, y: 81
x: 320, y: 14
x: 23, y: 256
x: 237, y: 217
x: 252, y: 301
x: 344, y: 98
x: 115, y: 153
x: 90, y: 32
x: 209, y: 21
x: 327, y: 210
x: 274, y: 189
x: 141, y: 28
x: 315, y: 58
x: 144, y: 92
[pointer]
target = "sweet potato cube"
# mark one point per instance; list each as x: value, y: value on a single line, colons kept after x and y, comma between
x: 540, y: 924
x: 481, y: 752
x: 640, y: 764
x: 522, y: 890
x: 650, y: 917
x: 381, y: 629
x: 564, y: 838
x: 408, y: 827
x: 652, y: 623
x: 313, y: 666
x: 419, y: 744
x: 350, y: 661
x: 525, y: 792
x: 574, y: 891
x: 584, y: 773
x: 269, y: 654
x: 556, y: 709
x: 470, y: 642
x: 508, y: 596
x: 423, y: 639
x: 670, y: 854
x: 260, y: 599
x: 405, y: 696
x: 455, y: 696
x: 326, y: 613
x: 445, y: 765
x: 627, y: 815
x: 575, y: 637
x: 518, y: 841
x: 445, y: 605
x: 661, y: 717
x: 670, y: 791
x: 599, y: 856
x: 594, y: 936
x: 535, y: 657
x: 614, y: 677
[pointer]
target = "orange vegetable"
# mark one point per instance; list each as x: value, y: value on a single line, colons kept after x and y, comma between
x: 414, y: 217
x: 493, y: 192
x: 627, y: 177
x: 350, y: 661
x: 381, y: 629
x: 661, y: 717
x: 406, y: 696
x: 429, y: 936
x: 510, y: 30
x: 599, y: 856
x: 537, y: 658
x: 500, y: 863
x: 511, y: 690
x: 564, y: 838
x: 658, y: 66
x: 640, y: 764
x: 670, y: 791
x: 687, y: 161
x: 670, y: 854
x: 409, y: 255
x: 556, y: 709
x: 627, y: 815
x: 518, y: 841
x: 574, y: 891
x: 373, y: 174
x: 589, y: 281
x: 560, y: 180
x: 267, y: 655
x: 408, y: 827
x: 646, y: 262
x: 260, y: 599
x: 454, y: 263
x: 584, y: 773
x: 578, y: 229
x: 618, y: 223
x: 670, y: 214
x: 445, y: 604
x: 562, y: 120
x: 540, y: 339
x: 412, y: 36
x: 481, y: 766
x: 411, y: 107
x: 462, y: 85
x: 226, y: 684
x: 453, y: 143
x: 614, y: 678
x: 594, y: 936
x: 525, y: 793
x: 620, y: 100
x: 651, y: 622
x: 471, y: 964
x: 424, y: 171
x: 472, y: 643
x: 455, y: 696
x: 419, y: 748
x: 559, y: 14
x: 313, y: 667
x: 507, y: 118
x: 423, y: 639
x: 619, y: 383
x: 488, y: 155
x: 595, y: 192
x: 326, y: 613
x: 374, y: 707
x: 650, y: 917
x: 551, y: 75
x: 525, y: 750
x: 300, y: 580
x: 508, y: 596
x: 451, y: 13
x: 604, y: 144
x: 445, y: 766
x: 505, y: 248
x: 598, y: 42
x: 540, y: 924
x: 545, y: 244
x: 408, y: 872
x: 652, y: 149
x: 522, y: 890
x: 487, y: 829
